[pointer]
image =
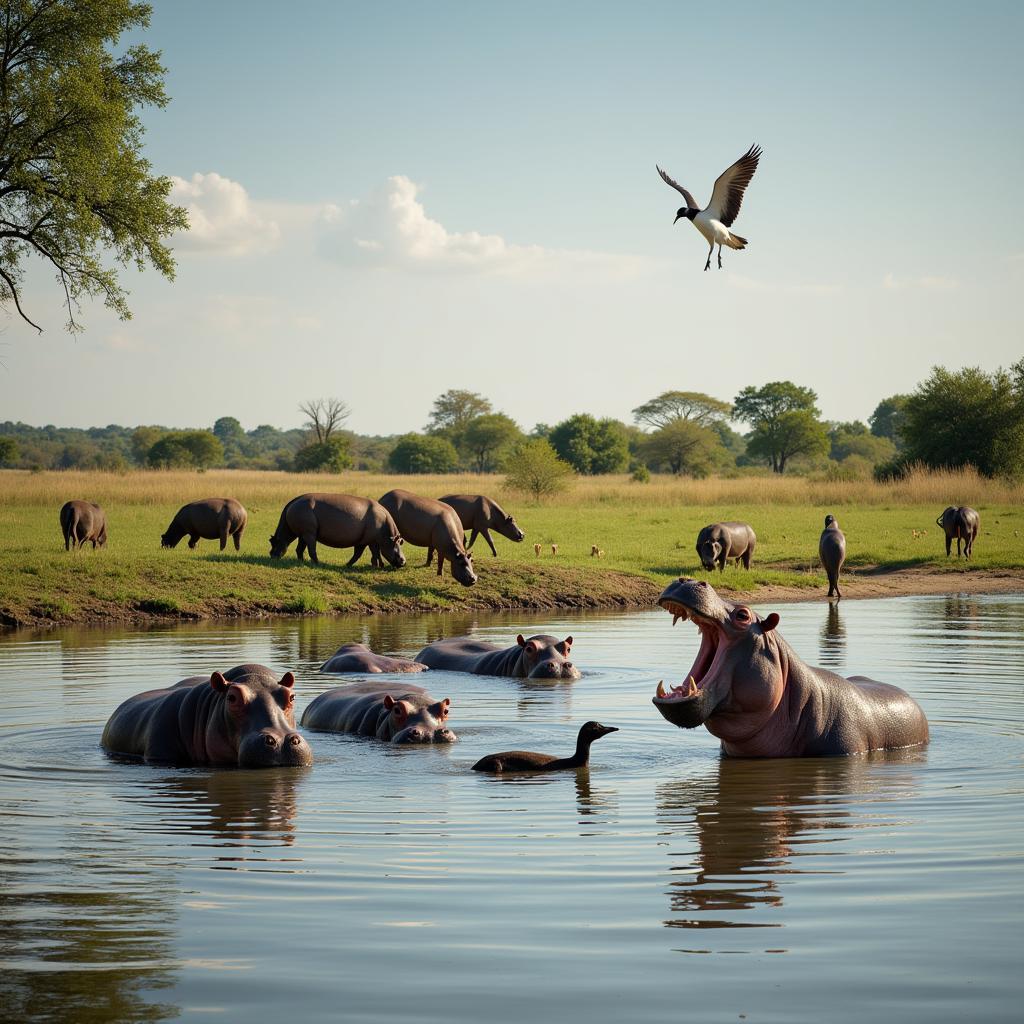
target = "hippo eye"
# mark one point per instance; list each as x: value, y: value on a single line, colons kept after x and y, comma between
x: 232, y: 697
x: 742, y: 615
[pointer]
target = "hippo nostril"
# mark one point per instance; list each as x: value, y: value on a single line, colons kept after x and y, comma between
x: 295, y: 740
x: 269, y: 740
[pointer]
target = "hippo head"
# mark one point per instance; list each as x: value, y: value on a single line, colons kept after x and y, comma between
x: 257, y: 719
x: 279, y: 545
x: 544, y: 657
x: 709, y: 550
x: 391, y: 545
x: 462, y: 568
x: 411, y: 721
x: 513, y: 530
x: 831, y: 521
x: 738, y: 673
x: 170, y: 539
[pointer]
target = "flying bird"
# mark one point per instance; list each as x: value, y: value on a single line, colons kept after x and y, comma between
x: 714, y: 221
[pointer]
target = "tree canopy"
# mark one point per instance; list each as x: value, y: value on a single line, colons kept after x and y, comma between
x: 671, y: 406
x: 416, y: 453
x: 785, y: 421
x: 591, y: 445
x: 74, y: 187
x: 887, y: 418
x: 683, y: 446
x: 487, y: 437
x: 535, y: 468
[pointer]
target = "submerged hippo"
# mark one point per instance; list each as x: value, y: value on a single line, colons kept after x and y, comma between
x: 359, y: 658
x: 395, y: 713
x: 209, y: 519
x: 961, y: 522
x: 751, y: 690
x: 83, y: 521
x: 720, y: 542
x: 339, y: 521
x: 243, y: 717
x: 432, y: 525
x: 832, y: 552
x: 479, y: 514
x: 540, y: 657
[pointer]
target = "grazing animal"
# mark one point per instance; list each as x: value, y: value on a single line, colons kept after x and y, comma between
x: 432, y: 525
x: 752, y: 691
x: 717, y: 543
x: 554, y: 549
x: 210, y: 519
x: 480, y: 514
x: 715, y: 220
x: 832, y: 552
x: 82, y: 521
x: 596, y: 552
x: 963, y: 523
x: 536, y: 550
x: 528, y: 761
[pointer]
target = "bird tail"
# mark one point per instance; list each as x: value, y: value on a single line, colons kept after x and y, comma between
x: 736, y: 241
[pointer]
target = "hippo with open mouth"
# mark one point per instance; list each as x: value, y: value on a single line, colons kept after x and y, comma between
x: 749, y: 688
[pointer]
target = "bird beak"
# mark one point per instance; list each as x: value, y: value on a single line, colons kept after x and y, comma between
x: 677, y: 218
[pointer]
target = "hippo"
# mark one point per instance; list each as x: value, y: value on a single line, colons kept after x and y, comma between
x: 339, y: 521
x: 540, y: 657
x: 751, y: 691
x: 210, y: 519
x: 359, y: 658
x: 82, y: 521
x: 479, y: 514
x: 432, y: 525
x: 832, y: 552
x: 243, y: 717
x: 961, y: 522
x: 529, y: 761
x: 719, y: 542
x: 395, y: 713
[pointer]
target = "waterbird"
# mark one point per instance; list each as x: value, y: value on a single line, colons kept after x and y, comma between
x: 714, y: 221
x: 528, y: 761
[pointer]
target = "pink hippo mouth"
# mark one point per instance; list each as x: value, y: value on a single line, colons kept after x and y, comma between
x: 691, y: 702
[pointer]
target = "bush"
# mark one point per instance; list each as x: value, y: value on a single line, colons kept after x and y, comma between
x: 185, y: 448
x: 330, y: 456
x: 534, y: 467
x: 419, y: 453
x: 641, y: 474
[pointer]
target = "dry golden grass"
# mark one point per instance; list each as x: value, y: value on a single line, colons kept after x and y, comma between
x: 161, y: 487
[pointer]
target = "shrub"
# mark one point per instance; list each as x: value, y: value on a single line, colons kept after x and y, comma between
x: 534, y: 467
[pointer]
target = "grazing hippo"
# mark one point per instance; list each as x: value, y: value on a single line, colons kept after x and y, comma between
x: 339, y: 521
x: 528, y: 761
x: 432, y: 525
x: 479, y: 514
x: 82, y: 521
x: 396, y: 713
x: 243, y: 717
x: 540, y: 657
x: 961, y: 522
x: 751, y: 690
x: 210, y: 519
x: 719, y: 542
x: 832, y: 552
x: 359, y: 658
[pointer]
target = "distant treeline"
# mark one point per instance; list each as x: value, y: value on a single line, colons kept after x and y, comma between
x: 954, y: 418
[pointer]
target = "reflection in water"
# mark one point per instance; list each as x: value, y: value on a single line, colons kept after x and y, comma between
x: 594, y: 803
x: 961, y: 612
x: 754, y: 822
x: 833, y: 638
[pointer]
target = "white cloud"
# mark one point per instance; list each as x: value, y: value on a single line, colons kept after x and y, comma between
x: 928, y: 282
x: 391, y: 228
x: 222, y: 218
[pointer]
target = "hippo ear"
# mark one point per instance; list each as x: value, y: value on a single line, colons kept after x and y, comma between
x: 389, y: 701
x: 219, y: 683
x: 521, y: 640
x: 401, y: 710
x: 767, y: 625
x: 567, y: 641
x: 288, y: 680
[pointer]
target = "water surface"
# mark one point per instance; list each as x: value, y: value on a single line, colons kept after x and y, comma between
x: 664, y: 884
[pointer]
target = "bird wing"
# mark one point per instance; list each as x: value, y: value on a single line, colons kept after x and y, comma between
x: 690, y: 201
x: 730, y: 186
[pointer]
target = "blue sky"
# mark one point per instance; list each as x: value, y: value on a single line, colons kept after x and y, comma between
x: 392, y: 200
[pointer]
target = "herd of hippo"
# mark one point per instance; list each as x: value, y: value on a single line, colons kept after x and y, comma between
x: 746, y: 686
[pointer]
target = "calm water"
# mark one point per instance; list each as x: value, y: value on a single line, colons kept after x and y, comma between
x: 384, y: 884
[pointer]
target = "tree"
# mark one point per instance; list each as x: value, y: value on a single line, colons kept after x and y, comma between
x: 671, y: 406
x: 324, y: 416
x: 590, y: 445
x: 534, y: 467
x: 684, y: 446
x: 184, y: 448
x: 785, y: 422
x: 330, y: 456
x: 229, y: 432
x: 487, y: 436
x: 74, y: 187
x: 143, y: 438
x: 853, y: 440
x: 8, y: 450
x: 887, y: 418
x: 416, y: 453
x: 967, y: 417
x: 453, y: 412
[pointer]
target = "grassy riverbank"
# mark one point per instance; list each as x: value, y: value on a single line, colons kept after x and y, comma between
x: 646, y: 533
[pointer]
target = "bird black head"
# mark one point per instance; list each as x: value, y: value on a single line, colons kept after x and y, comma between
x: 684, y: 211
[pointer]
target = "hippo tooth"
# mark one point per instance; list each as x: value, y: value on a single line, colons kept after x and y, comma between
x: 661, y: 689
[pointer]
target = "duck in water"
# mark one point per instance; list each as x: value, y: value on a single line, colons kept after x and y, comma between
x: 528, y: 761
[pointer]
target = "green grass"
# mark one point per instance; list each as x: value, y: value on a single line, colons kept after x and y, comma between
x: 647, y: 534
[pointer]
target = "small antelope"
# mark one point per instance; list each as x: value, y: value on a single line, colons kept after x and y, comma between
x: 554, y: 549
x: 536, y: 550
